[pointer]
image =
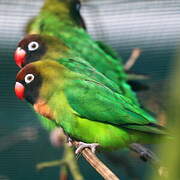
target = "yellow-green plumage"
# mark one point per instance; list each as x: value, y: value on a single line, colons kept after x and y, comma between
x: 89, y: 111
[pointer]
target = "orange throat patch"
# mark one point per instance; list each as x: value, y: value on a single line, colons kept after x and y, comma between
x: 42, y: 108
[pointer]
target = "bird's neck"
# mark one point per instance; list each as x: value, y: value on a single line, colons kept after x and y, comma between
x: 61, y: 8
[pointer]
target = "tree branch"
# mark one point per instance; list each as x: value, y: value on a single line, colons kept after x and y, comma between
x: 68, y: 161
x: 43, y: 165
x: 63, y: 172
x: 98, y: 165
x: 132, y: 59
x: 72, y: 163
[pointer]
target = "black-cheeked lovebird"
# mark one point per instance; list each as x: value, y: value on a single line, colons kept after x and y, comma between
x: 86, y: 109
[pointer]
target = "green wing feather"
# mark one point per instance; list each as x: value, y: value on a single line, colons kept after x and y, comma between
x: 94, y: 101
x: 81, y: 66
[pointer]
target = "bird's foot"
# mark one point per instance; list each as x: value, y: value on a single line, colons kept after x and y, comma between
x: 145, y: 156
x: 83, y: 145
x: 144, y: 153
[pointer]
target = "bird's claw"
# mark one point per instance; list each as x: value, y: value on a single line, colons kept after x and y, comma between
x: 82, y: 145
x: 144, y: 156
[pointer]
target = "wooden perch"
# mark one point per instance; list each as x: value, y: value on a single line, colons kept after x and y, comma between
x: 98, y: 165
x: 101, y: 168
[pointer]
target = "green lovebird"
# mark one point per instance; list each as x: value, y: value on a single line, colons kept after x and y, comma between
x: 87, y: 110
x: 61, y: 18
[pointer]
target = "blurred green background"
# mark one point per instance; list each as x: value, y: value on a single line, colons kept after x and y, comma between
x: 153, y: 26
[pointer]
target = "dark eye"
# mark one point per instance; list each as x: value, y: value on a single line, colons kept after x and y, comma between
x: 29, y: 78
x: 32, y: 46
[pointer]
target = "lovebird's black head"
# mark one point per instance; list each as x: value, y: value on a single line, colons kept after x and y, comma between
x: 28, y: 83
x: 29, y: 49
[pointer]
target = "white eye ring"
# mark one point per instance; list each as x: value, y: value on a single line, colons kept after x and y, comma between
x: 29, y: 78
x: 32, y: 46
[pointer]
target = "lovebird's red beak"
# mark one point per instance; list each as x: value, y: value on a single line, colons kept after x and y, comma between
x: 19, y: 56
x: 19, y: 90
